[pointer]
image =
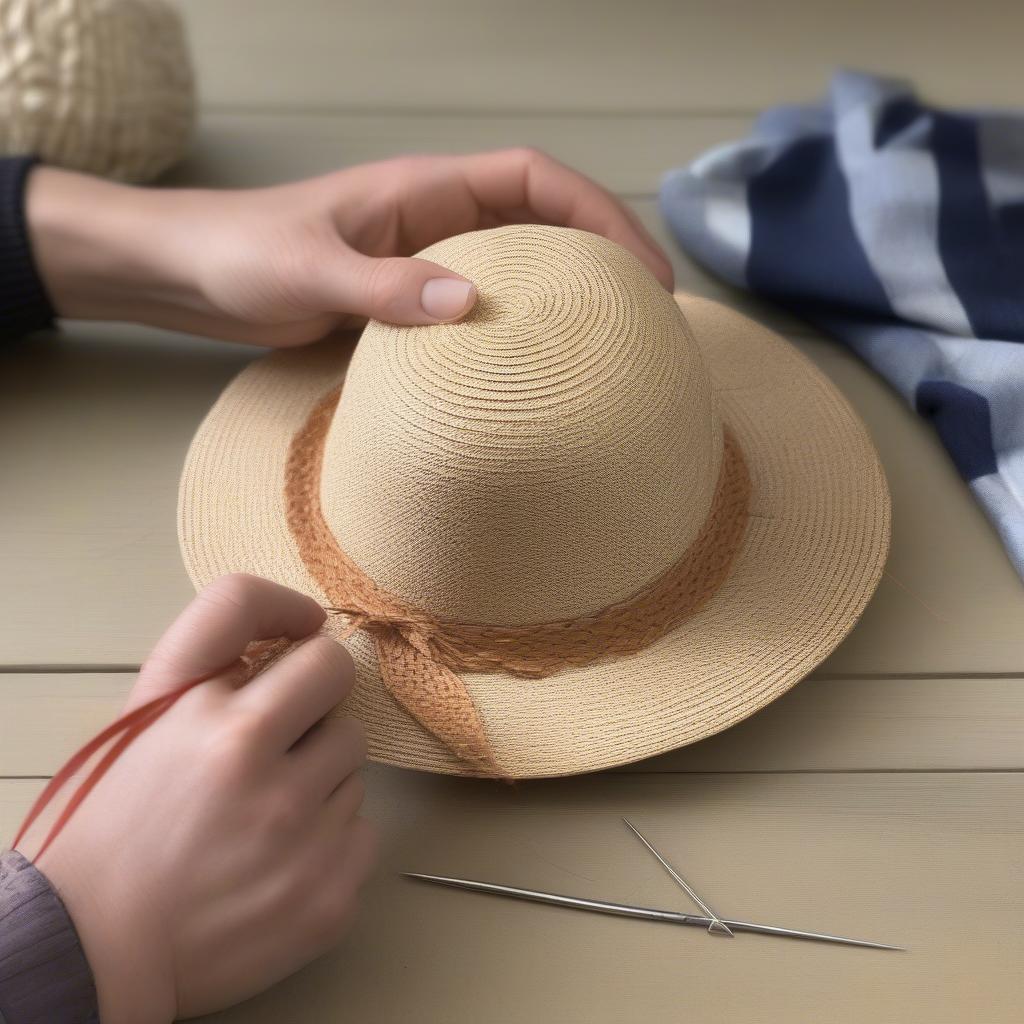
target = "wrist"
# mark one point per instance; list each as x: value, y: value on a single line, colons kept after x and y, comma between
x: 134, y: 983
x: 99, y: 247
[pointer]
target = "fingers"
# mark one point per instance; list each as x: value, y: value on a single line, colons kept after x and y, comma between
x: 503, y: 187
x: 326, y: 757
x: 524, y: 181
x: 395, y: 289
x: 216, y: 627
x: 285, y: 701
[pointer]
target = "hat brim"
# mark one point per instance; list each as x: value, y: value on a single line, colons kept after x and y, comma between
x: 813, y: 554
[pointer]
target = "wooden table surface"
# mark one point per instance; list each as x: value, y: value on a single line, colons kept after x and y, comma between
x: 882, y: 797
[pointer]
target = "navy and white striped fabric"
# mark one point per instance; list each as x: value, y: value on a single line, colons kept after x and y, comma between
x: 899, y: 228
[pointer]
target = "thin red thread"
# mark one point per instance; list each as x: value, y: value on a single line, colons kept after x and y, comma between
x: 130, y: 726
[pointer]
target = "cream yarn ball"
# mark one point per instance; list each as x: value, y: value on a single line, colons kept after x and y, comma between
x: 103, y: 86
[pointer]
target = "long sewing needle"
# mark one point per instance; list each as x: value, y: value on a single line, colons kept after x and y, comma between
x: 647, y: 913
x: 717, y: 926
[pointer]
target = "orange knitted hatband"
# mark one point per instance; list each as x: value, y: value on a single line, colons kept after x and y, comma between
x: 420, y: 656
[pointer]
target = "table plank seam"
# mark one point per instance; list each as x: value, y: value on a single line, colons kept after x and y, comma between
x: 645, y: 773
x: 70, y: 669
x: 545, y: 113
x: 43, y: 668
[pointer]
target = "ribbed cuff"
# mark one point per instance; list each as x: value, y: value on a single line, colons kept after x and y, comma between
x: 44, y: 976
x: 24, y: 304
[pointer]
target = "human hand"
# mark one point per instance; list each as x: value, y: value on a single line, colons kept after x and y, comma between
x: 285, y: 265
x: 223, y: 850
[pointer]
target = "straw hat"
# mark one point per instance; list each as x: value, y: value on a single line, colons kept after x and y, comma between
x: 586, y: 525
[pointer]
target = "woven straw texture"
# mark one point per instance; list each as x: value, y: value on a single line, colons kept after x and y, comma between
x: 543, y: 460
x: 102, y: 86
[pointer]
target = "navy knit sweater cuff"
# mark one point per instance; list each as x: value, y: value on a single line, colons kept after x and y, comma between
x: 24, y: 304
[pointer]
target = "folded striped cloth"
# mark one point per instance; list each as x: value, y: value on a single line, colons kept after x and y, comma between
x: 898, y: 228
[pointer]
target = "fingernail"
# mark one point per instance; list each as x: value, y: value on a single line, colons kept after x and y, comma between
x: 445, y: 298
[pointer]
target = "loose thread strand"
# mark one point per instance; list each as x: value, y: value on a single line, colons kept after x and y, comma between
x: 125, y: 729
x: 101, y: 769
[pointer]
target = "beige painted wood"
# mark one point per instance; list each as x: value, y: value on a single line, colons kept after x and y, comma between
x: 871, y: 724
x: 628, y: 153
x: 94, y: 427
x: 822, y: 725
x: 592, y: 55
x: 46, y: 716
x: 796, y: 826
x: 928, y: 860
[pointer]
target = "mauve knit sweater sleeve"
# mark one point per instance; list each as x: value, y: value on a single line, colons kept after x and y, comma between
x: 24, y: 305
x: 44, y: 976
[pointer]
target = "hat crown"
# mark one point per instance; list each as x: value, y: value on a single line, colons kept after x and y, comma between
x: 540, y: 460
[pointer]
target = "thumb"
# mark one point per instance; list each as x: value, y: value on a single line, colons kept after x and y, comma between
x: 397, y: 290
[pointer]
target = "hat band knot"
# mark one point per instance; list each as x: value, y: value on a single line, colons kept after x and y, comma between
x: 417, y: 631
x: 421, y: 656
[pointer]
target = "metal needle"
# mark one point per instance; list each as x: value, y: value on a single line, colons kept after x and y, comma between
x: 647, y: 913
x: 717, y: 926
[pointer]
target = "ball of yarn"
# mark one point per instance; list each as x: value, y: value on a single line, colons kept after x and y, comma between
x: 103, y: 86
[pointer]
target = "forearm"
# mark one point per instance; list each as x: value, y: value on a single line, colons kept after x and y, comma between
x: 104, y: 249
x: 83, y: 248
